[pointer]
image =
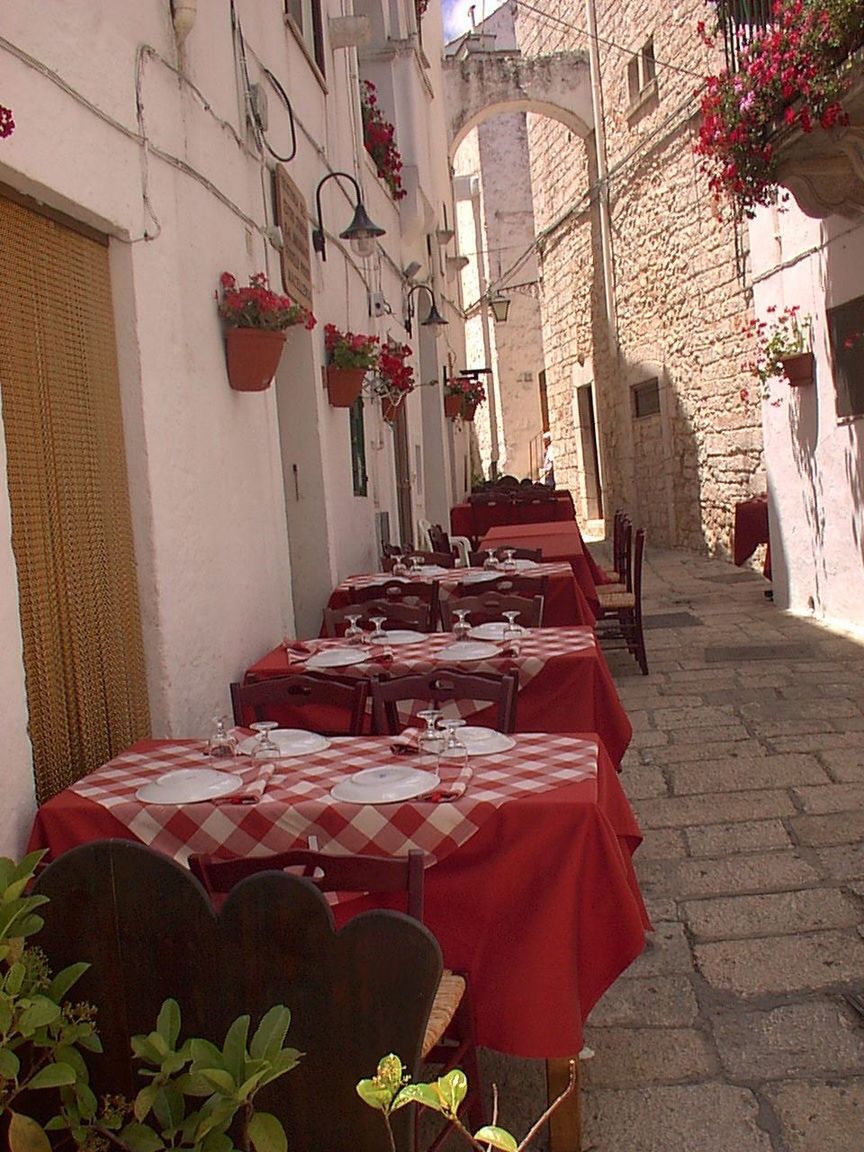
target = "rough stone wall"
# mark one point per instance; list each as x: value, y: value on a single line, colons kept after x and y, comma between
x: 680, y: 303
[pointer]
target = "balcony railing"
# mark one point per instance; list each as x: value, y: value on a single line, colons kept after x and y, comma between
x: 740, y: 21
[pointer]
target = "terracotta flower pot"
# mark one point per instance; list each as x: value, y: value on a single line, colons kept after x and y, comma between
x: 252, y: 356
x: 344, y: 385
x: 800, y: 369
x: 452, y: 406
x: 469, y: 407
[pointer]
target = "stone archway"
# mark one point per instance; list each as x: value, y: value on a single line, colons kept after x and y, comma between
x: 481, y: 85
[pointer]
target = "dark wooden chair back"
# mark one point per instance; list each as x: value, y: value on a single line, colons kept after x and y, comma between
x: 330, y: 705
x: 149, y: 931
x: 477, y: 559
x: 439, y: 540
x: 505, y: 583
x: 417, y: 617
x: 439, y: 687
x: 444, y: 559
x: 377, y: 875
x: 398, y: 592
x: 491, y: 606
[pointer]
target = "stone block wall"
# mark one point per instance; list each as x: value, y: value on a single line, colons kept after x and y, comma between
x: 679, y: 297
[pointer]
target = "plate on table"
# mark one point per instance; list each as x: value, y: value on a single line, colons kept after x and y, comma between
x: 338, y: 657
x: 480, y: 577
x: 484, y: 741
x: 431, y: 570
x: 467, y: 650
x: 385, y: 785
x: 492, y: 630
x: 404, y: 636
x: 190, y: 786
x: 521, y: 565
x: 291, y: 742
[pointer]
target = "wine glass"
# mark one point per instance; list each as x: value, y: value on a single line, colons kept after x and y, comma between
x: 416, y: 563
x: 461, y: 627
x: 431, y: 740
x: 491, y: 561
x: 379, y: 636
x: 221, y: 745
x: 453, y: 755
x: 512, y: 634
x: 509, y: 561
x: 353, y: 633
x: 265, y: 750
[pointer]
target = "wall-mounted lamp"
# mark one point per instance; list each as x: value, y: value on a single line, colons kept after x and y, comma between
x: 500, y: 306
x: 433, y: 320
x: 361, y: 232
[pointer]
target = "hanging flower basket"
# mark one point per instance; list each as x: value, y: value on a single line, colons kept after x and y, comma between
x: 469, y: 407
x: 800, y: 369
x: 252, y: 356
x: 452, y: 406
x: 344, y: 385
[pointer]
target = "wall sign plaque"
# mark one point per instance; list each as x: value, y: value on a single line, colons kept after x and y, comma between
x: 292, y: 218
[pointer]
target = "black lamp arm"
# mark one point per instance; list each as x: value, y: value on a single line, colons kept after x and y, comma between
x: 318, y: 235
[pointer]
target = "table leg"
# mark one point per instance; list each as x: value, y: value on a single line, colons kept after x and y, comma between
x: 565, y: 1125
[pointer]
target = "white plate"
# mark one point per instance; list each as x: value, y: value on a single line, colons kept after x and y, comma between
x: 467, y: 650
x: 521, y: 565
x: 431, y: 570
x: 291, y: 741
x: 484, y: 741
x: 387, y: 785
x: 404, y: 636
x: 337, y: 657
x: 189, y: 786
x: 480, y: 577
x: 492, y: 630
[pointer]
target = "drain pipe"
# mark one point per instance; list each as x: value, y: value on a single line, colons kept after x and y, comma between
x: 183, y: 13
x: 606, y: 256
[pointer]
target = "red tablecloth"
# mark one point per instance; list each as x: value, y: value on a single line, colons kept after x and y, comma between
x: 564, y: 683
x: 751, y: 530
x: 556, y: 542
x: 473, y: 519
x: 565, y: 603
x: 538, y: 902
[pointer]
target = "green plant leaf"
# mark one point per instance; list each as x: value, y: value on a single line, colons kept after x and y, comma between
x: 220, y: 1079
x: 193, y: 1084
x: 425, y: 1094
x: 453, y: 1088
x: 66, y: 1054
x: 25, y: 1135
x: 267, y: 1133
x: 168, y: 1022
x: 205, y: 1054
x: 9, y: 1064
x: 169, y: 1108
x: 53, y: 1076
x: 144, y: 1049
x: 497, y: 1137
x: 140, y: 1138
x: 15, y: 978
x: 234, y: 1048
x: 64, y: 980
x: 217, y: 1142
x: 40, y: 1012
x: 88, y: 1105
x: 144, y: 1101
x: 270, y: 1033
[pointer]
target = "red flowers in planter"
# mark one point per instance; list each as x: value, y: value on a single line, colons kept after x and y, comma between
x: 7, y: 123
x: 378, y: 139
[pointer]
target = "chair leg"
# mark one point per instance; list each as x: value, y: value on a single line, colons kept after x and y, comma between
x: 460, y: 1052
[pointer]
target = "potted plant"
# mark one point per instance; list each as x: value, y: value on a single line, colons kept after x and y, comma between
x: 256, y: 318
x: 462, y: 396
x: 782, y: 350
x: 379, y: 140
x: 394, y: 379
x: 790, y: 74
x: 350, y: 355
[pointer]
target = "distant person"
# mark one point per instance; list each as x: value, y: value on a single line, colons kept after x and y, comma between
x: 548, y: 476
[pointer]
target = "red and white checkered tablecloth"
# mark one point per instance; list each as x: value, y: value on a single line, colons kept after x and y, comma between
x: 453, y: 576
x: 297, y: 803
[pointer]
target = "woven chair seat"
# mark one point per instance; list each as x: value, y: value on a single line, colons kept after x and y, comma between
x: 613, y: 599
x: 447, y: 1000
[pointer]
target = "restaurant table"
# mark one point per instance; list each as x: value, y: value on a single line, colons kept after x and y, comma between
x: 564, y: 682
x: 556, y: 542
x: 751, y: 530
x: 473, y: 518
x: 531, y: 888
x: 565, y: 601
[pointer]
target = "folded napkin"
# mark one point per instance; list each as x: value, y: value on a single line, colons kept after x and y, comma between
x: 253, y: 791
x: 407, y: 739
x: 297, y: 646
x: 380, y: 655
x: 452, y: 790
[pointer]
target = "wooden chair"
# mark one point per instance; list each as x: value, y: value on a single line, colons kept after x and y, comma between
x: 621, y: 608
x: 417, y: 617
x: 442, y: 559
x: 621, y: 548
x: 339, y: 704
x: 398, y: 592
x: 439, y: 687
x: 148, y: 931
x: 477, y: 559
x: 439, y: 539
x: 506, y: 583
x: 489, y: 606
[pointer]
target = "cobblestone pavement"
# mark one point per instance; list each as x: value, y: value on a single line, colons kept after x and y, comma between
x: 747, y: 771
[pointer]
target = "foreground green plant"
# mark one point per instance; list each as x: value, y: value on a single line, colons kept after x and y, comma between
x: 198, y: 1096
x: 390, y: 1089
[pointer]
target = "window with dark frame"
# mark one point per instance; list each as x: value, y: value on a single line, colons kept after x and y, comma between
x: 646, y: 398
x: 357, y: 428
x: 305, y: 16
x: 846, y: 337
x: 641, y: 70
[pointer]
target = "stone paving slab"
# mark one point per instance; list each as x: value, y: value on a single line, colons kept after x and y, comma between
x: 782, y: 964
x: 804, y: 1039
x: 816, y: 1116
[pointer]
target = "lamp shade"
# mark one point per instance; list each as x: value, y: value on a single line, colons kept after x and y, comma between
x: 500, y: 306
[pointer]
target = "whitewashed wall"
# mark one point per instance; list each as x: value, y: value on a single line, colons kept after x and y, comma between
x: 814, y: 459
x: 210, y: 469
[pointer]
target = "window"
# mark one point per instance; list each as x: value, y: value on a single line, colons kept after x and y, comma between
x: 642, y: 72
x: 304, y: 16
x: 358, y: 448
x: 646, y: 398
x: 846, y: 333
